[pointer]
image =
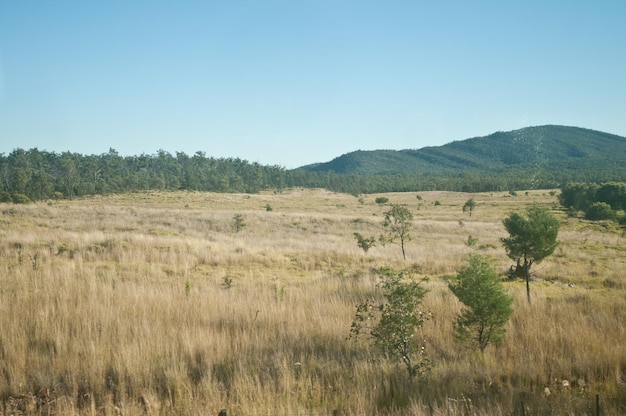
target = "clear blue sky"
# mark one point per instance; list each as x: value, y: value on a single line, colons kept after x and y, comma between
x: 295, y: 82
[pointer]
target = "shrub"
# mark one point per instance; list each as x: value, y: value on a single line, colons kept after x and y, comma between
x: 392, y: 324
x: 365, y: 242
x: 238, y: 223
x: 381, y: 200
x: 21, y: 199
x: 487, y: 305
x: 599, y: 211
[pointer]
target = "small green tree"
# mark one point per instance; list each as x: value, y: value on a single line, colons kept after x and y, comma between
x: 487, y: 305
x: 469, y: 206
x: 393, y: 323
x: 365, y: 242
x: 397, y: 224
x: 238, y: 223
x: 531, y: 239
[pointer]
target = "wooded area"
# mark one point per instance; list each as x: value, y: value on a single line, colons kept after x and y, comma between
x: 27, y: 175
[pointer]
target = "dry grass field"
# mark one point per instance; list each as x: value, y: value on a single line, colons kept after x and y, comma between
x: 153, y: 304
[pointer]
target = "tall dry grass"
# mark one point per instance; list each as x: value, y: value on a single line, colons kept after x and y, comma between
x: 151, y: 303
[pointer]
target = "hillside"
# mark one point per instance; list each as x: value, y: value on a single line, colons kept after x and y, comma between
x: 551, y: 148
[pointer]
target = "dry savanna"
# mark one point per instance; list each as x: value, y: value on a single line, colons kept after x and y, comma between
x: 188, y: 303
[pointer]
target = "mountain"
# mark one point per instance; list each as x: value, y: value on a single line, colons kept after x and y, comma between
x: 547, y: 148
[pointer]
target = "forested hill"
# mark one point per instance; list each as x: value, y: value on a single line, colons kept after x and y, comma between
x: 546, y: 148
x: 532, y: 158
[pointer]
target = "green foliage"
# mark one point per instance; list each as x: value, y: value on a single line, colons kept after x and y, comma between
x: 365, y: 243
x: 393, y: 323
x: 499, y: 162
x: 469, y: 205
x: 238, y: 223
x: 599, y: 211
x: 549, y: 148
x: 268, y: 207
x: 487, y: 305
x: 578, y: 196
x: 381, y: 200
x: 531, y: 239
x: 397, y: 225
x: 21, y: 199
x: 599, y: 202
x: 613, y: 194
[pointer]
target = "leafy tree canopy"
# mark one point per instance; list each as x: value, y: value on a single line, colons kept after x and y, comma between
x: 487, y: 305
x: 531, y: 239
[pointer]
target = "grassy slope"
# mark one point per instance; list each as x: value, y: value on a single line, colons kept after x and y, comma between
x: 119, y: 304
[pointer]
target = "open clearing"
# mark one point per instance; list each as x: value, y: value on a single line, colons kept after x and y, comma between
x: 152, y: 303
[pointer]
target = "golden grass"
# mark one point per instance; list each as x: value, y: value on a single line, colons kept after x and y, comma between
x: 151, y: 303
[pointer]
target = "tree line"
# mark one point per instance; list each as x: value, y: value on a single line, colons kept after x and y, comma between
x: 33, y: 174
x: 597, y: 202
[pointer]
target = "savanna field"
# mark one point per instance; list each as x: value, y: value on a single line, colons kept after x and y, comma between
x: 187, y: 303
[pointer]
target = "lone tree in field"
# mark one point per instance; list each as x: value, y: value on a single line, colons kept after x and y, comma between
x: 469, y: 206
x: 238, y: 223
x: 487, y: 305
x: 397, y: 225
x: 531, y: 239
x: 393, y: 323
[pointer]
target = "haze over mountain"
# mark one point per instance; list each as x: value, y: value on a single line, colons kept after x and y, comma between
x: 541, y: 148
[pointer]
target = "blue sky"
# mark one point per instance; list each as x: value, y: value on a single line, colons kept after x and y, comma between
x: 298, y: 82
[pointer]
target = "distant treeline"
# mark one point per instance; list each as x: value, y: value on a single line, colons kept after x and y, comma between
x: 598, y: 201
x: 38, y: 175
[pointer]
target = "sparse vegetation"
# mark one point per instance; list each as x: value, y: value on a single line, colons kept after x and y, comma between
x: 125, y: 312
x: 469, y: 206
x: 398, y: 225
x: 393, y: 322
x: 238, y: 223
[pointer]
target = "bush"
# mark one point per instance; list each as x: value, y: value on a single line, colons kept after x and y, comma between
x: 381, y: 200
x: 393, y: 323
x: 487, y: 305
x: 599, y: 211
x: 365, y: 243
x: 5, y: 196
x: 238, y: 223
x: 21, y: 199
